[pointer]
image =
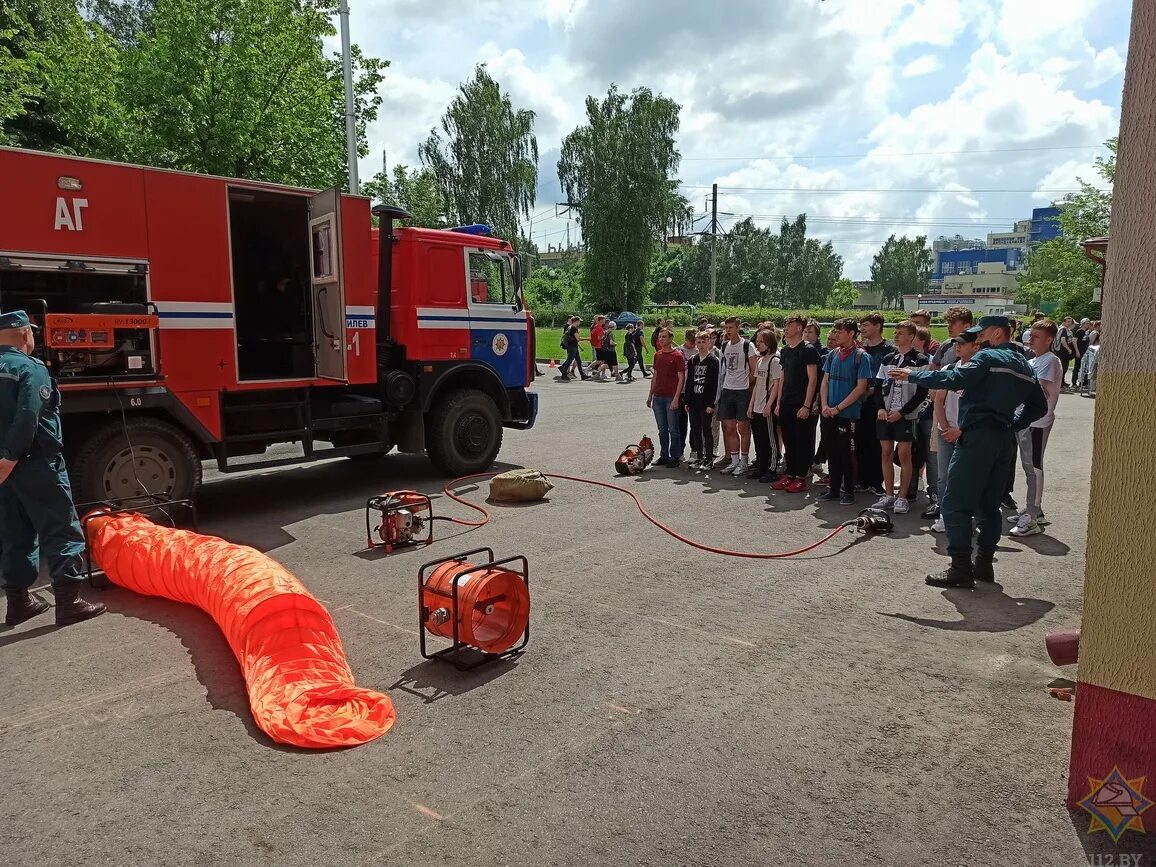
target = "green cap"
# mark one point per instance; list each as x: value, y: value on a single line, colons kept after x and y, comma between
x: 13, y: 319
x: 994, y: 322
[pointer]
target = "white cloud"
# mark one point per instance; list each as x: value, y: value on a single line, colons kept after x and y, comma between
x: 763, y: 85
x: 924, y: 65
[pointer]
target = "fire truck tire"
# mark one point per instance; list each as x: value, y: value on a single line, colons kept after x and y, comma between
x: 463, y: 432
x: 166, y: 462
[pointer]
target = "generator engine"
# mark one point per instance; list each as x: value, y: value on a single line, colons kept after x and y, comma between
x: 101, y: 340
x: 404, y: 518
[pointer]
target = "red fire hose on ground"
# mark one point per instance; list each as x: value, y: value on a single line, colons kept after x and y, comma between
x: 863, y: 522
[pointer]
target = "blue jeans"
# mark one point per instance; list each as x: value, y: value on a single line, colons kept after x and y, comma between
x: 669, y: 423
x: 573, y: 360
x: 946, y: 450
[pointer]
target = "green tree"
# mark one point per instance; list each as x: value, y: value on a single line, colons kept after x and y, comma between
x: 1057, y: 271
x: 619, y: 168
x: 487, y: 163
x: 245, y: 89
x: 843, y: 294
x: 902, y: 267
x: 416, y: 190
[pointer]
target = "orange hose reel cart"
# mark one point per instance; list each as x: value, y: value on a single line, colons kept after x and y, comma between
x: 483, y: 607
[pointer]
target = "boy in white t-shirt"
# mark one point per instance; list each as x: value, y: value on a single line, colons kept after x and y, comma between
x: 946, y: 403
x: 1033, y: 440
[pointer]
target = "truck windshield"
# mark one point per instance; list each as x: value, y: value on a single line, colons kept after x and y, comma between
x: 492, y: 280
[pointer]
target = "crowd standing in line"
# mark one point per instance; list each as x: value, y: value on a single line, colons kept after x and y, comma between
x: 951, y: 416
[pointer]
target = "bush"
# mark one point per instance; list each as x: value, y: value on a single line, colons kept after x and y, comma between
x: 716, y: 313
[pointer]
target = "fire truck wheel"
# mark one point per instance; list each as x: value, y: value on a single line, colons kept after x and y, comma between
x: 166, y: 462
x: 463, y: 432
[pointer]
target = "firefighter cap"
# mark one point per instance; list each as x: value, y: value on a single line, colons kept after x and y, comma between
x: 994, y: 322
x: 14, y: 319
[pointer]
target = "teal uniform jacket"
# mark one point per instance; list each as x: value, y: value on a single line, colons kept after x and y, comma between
x: 1000, y: 389
x: 37, y: 515
x: 1001, y: 396
x: 29, y: 407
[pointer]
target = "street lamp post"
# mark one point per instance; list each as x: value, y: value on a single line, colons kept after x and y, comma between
x: 762, y: 293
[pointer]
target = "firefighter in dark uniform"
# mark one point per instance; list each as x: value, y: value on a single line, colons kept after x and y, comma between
x: 36, y: 510
x: 1001, y: 397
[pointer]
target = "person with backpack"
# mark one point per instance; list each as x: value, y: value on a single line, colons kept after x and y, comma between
x: 573, y: 356
x: 738, y: 375
x: 846, y: 371
x: 764, y: 396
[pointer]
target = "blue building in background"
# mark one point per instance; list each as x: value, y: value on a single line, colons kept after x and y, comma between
x: 1045, y: 224
x: 1008, y: 249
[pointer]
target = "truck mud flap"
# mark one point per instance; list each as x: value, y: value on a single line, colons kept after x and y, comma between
x: 523, y: 409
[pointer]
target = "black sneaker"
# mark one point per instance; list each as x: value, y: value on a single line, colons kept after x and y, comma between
x: 827, y: 496
x: 877, y: 490
x: 1008, y: 503
x: 847, y: 500
x: 931, y: 511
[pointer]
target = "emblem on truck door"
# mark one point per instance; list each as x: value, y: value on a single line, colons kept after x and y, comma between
x: 500, y: 344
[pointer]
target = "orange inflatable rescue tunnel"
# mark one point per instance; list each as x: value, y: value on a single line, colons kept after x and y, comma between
x: 300, y: 686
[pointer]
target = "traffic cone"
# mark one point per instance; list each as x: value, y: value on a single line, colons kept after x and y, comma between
x: 553, y: 364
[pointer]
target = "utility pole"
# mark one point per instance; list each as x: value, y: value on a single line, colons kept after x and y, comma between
x: 713, y: 241
x: 350, y: 115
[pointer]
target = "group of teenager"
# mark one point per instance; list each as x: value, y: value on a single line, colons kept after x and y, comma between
x: 804, y: 402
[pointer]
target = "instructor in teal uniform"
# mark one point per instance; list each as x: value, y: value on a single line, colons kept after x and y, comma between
x: 36, y: 510
x: 1001, y: 397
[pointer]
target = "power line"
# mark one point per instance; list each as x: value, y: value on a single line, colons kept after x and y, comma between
x: 863, y: 190
x: 895, y: 154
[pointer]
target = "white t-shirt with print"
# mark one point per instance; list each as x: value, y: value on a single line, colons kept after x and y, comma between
x: 770, y: 368
x: 1048, y: 369
x: 736, y: 370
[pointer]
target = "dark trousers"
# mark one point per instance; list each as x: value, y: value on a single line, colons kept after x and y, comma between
x: 977, y: 477
x: 761, y: 433
x: 631, y: 361
x: 841, y: 455
x: 868, y: 452
x: 798, y: 441
x: 37, y: 515
x: 573, y: 360
x: 701, y: 436
x: 1065, y: 360
x: 684, y: 428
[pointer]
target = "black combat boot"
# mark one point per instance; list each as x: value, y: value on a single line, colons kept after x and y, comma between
x: 70, y: 608
x: 984, y: 570
x: 958, y: 574
x: 22, y: 606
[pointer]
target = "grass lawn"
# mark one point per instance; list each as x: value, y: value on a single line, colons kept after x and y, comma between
x: 549, y: 340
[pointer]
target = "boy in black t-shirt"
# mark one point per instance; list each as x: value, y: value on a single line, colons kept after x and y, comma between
x: 866, y: 442
x: 573, y: 356
x: 796, y: 405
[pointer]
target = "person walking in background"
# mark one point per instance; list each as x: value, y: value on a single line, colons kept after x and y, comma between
x: 700, y: 395
x: 665, y: 397
x: 795, y: 407
x: 1065, y: 348
x: 596, y: 329
x: 631, y: 350
x: 609, y: 354
x: 846, y: 371
x: 573, y: 355
x: 635, y: 336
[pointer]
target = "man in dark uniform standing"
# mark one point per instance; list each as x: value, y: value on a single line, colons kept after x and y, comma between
x: 1001, y: 397
x: 36, y: 510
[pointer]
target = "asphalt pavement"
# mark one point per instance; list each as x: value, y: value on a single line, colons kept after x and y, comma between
x: 673, y: 707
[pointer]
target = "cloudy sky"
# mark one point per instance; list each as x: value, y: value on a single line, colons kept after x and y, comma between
x: 936, y: 117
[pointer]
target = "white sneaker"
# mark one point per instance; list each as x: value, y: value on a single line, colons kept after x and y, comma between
x: 901, y: 507
x: 938, y: 526
x: 1027, y: 526
x: 886, y: 502
x: 740, y: 468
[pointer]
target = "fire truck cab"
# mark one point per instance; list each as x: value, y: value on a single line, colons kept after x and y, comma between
x: 190, y: 318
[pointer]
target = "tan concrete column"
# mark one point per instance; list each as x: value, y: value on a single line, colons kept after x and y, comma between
x: 1115, y: 714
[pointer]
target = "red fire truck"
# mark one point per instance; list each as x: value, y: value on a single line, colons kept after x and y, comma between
x: 191, y: 318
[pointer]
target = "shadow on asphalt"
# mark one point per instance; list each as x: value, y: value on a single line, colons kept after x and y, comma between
x: 17, y: 637
x: 286, y: 496
x: 985, y: 609
x: 432, y: 680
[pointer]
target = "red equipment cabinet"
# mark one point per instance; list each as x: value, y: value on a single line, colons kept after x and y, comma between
x: 234, y: 315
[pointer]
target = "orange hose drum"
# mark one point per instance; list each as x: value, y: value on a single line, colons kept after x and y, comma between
x: 484, y: 606
x: 300, y: 685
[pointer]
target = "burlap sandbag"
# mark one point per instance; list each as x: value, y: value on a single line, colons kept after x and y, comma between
x: 519, y: 486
